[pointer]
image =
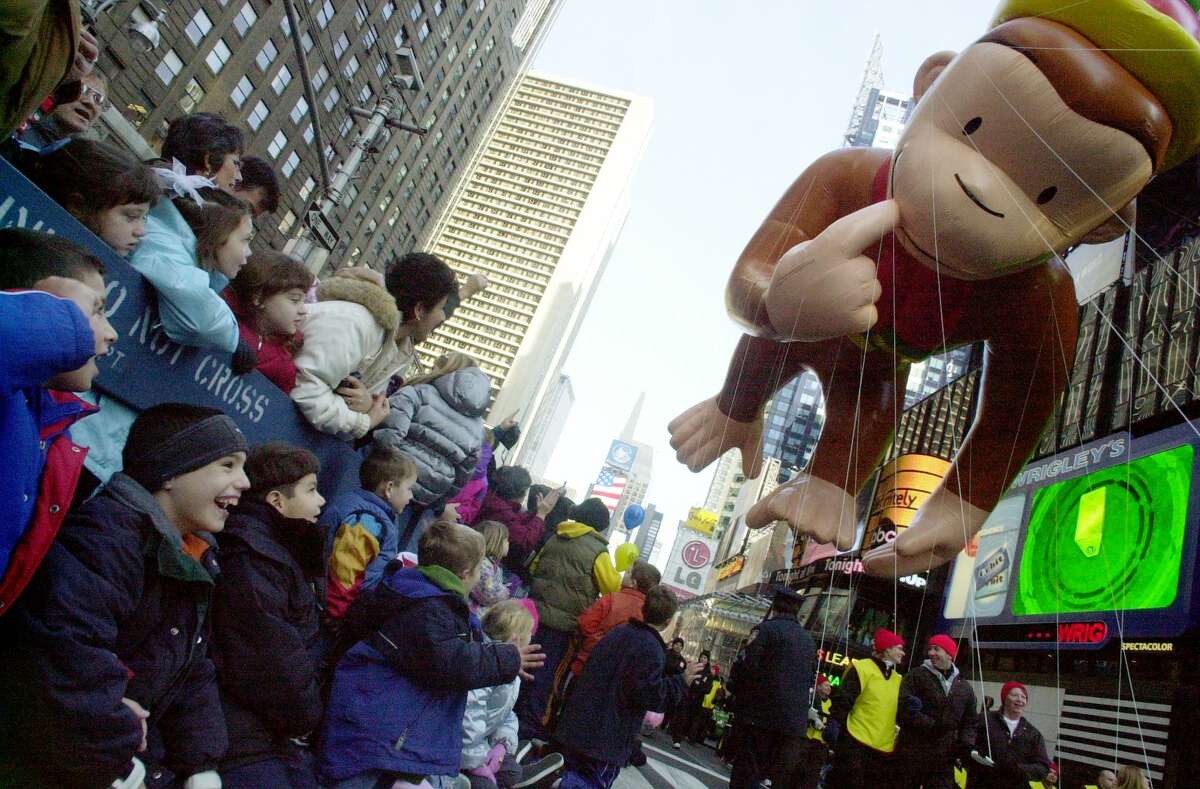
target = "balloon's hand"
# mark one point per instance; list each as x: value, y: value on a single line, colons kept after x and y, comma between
x: 812, y: 506
x: 827, y: 287
x: 702, y: 434
x: 939, y: 530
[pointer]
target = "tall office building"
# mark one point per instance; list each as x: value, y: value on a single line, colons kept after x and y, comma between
x: 236, y: 58
x: 624, y: 478
x: 723, y: 491
x: 647, y: 533
x: 545, y: 429
x: 538, y: 214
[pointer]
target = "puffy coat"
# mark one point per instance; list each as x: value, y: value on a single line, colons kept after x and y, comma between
x: 37, y: 52
x: 398, y: 696
x: 266, y: 632
x: 39, y: 466
x: 569, y: 573
x: 623, y: 679
x: 491, y: 588
x: 119, y: 608
x: 774, y: 679
x: 351, y: 329
x: 602, y: 616
x: 361, y: 537
x: 471, y: 497
x: 941, y: 728
x: 489, y: 719
x: 440, y: 426
x: 274, y: 351
x: 1019, y: 757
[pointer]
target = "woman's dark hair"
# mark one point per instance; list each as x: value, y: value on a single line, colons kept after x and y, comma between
x: 592, y: 512
x: 535, y: 492
x: 201, y: 141
x: 511, y: 482
x: 561, y: 512
x: 419, y: 278
x: 259, y: 174
x: 212, y: 222
x: 88, y: 177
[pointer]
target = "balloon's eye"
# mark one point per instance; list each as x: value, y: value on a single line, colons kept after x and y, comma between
x: 1047, y: 195
x: 972, y: 125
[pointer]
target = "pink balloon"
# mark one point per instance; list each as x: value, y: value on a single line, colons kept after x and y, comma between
x: 1181, y: 12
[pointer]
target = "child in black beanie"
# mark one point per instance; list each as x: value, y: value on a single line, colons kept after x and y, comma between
x: 106, y: 673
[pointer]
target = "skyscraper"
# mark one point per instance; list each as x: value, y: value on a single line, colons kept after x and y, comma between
x: 647, y: 533
x: 236, y: 58
x: 538, y: 214
x: 545, y: 429
x: 624, y: 478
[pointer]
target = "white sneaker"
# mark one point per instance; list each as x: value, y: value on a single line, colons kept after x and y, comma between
x: 676, y: 745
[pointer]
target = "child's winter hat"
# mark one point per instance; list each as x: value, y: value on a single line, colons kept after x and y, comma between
x: 174, y: 438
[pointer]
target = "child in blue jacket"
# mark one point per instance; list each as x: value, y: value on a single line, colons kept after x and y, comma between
x: 395, y: 711
x: 49, y: 283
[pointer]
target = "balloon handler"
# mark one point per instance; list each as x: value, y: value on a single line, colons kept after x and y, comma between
x: 1036, y: 138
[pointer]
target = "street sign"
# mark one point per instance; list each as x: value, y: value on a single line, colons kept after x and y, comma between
x: 321, y: 228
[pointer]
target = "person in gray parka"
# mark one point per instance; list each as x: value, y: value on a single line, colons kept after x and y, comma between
x: 437, y: 420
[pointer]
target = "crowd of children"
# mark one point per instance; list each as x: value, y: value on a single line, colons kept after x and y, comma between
x: 180, y: 609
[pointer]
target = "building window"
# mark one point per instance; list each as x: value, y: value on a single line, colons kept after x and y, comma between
x: 423, y: 32
x: 370, y: 38
x: 351, y: 67
x: 346, y: 125
x: 400, y: 38
x: 438, y: 7
x: 169, y: 67
x: 257, y: 116
x: 387, y: 10
x: 332, y: 99
x: 198, y: 28
x: 267, y: 55
x: 307, y: 189
x: 308, y: 133
x: 288, y: 220
x: 281, y: 80
x: 306, y: 41
x: 364, y: 94
x: 340, y: 46
x: 299, y: 111
x: 193, y: 94
x: 414, y: 12
x: 380, y: 68
x: 319, y: 77
x: 242, y: 91
x: 289, y: 166
x: 244, y: 20
x: 325, y: 14
x: 278, y: 143
x: 219, y: 56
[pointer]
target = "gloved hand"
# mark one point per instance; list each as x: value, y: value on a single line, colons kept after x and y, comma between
x: 245, y: 359
x: 833, y: 732
x: 653, y: 719
x: 912, y: 705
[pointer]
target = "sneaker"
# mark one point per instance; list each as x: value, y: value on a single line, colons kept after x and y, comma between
x: 637, y: 758
x: 543, y: 768
x: 676, y: 745
x: 523, y: 748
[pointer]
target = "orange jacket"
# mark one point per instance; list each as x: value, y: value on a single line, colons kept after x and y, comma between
x: 611, y: 610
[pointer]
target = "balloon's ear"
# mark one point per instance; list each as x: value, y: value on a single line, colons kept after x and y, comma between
x: 930, y: 70
x: 1114, y: 227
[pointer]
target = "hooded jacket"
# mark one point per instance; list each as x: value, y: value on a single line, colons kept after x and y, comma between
x: 569, y: 573
x: 440, y: 426
x: 525, y: 530
x: 398, y: 696
x: 361, y: 537
x: 266, y: 639
x: 352, y: 329
x: 611, y: 610
x: 489, y: 719
x: 941, y: 728
x: 119, y: 608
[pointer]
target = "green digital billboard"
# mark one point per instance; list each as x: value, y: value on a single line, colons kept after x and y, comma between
x: 1108, y: 540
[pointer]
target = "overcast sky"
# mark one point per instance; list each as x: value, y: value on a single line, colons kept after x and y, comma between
x: 746, y: 95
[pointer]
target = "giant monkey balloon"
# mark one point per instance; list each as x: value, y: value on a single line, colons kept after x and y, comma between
x: 1037, y: 137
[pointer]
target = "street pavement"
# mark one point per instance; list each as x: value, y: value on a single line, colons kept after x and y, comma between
x: 690, y: 767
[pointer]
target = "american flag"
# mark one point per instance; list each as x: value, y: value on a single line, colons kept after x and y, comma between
x: 608, y: 488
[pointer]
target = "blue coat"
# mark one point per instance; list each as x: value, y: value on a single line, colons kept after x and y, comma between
x: 621, y: 681
x: 775, y: 677
x: 118, y: 609
x: 63, y: 341
x: 398, y: 697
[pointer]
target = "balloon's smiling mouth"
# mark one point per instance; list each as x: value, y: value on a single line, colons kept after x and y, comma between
x: 967, y: 191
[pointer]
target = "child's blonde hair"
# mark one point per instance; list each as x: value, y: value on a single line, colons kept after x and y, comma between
x: 449, y: 362
x: 508, y: 619
x: 495, y: 539
x: 456, y: 547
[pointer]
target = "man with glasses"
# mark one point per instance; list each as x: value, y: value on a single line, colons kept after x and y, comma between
x: 78, y: 108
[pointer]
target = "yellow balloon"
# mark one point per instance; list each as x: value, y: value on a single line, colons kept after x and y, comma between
x: 627, y: 554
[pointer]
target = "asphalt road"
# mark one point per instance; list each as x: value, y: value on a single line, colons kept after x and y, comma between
x: 690, y: 767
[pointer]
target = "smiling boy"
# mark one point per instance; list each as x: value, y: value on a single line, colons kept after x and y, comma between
x: 106, y: 654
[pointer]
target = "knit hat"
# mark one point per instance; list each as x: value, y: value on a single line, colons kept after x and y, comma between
x: 946, y: 643
x: 823, y: 680
x: 171, y: 439
x: 1010, y: 686
x: 885, y: 639
x: 531, y: 607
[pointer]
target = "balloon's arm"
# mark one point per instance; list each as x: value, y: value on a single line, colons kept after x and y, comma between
x: 758, y: 368
x: 837, y: 184
x: 1027, y: 366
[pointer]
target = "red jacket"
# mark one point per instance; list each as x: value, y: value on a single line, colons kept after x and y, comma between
x: 275, y: 353
x: 611, y: 610
x: 60, y: 477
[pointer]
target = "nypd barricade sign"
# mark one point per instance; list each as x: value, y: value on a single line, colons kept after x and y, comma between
x: 145, y: 367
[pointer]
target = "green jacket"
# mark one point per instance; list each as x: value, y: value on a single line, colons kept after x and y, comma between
x: 569, y: 573
x: 37, y: 48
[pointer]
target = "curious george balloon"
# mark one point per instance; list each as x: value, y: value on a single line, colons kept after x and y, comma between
x: 1036, y: 138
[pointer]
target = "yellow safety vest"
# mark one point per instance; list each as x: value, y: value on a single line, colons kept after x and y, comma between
x: 813, y: 732
x: 873, y: 719
x: 708, y: 701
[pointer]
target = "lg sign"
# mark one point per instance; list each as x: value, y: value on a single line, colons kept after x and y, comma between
x: 695, y: 554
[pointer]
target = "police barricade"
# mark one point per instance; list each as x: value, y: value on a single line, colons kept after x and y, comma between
x: 145, y: 367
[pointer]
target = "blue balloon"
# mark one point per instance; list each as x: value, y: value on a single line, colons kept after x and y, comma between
x: 634, y: 515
